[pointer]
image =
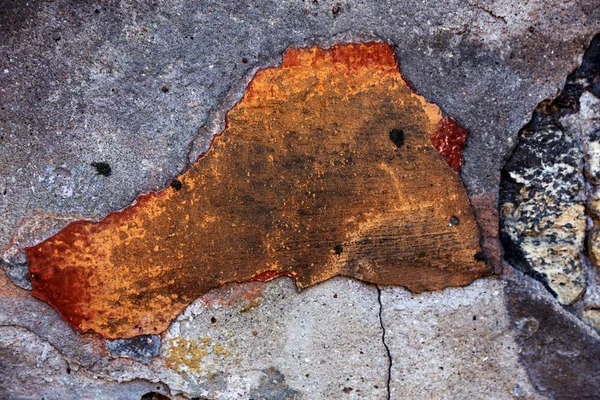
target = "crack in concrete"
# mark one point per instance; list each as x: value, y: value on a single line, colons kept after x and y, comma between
x: 489, y: 12
x: 387, y: 349
x: 87, y: 371
x: 66, y: 358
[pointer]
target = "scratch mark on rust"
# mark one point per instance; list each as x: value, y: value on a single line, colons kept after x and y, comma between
x: 304, y: 181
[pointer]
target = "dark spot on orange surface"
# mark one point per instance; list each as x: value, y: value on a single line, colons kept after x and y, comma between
x: 454, y: 220
x: 102, y: 168
x: 338, y: 249
x: 175, y: 184
x: 397, y: 137
x: 450, y: 139
x: 304, y: 164
x: 479, y: 256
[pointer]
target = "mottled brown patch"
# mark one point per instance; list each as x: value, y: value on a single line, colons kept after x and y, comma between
x: 486, y: 211
x: 227, y: 296
x: 304, y: 181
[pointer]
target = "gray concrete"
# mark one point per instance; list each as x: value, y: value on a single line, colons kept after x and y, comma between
x: 267, y: 340
x: 143, y: 87
x: 457, y: 343
x: 322, y: 343
x: 84, y: 82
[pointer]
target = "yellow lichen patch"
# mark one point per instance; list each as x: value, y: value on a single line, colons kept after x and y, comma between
x: 249, y: 305
x: 187, y: 356
x: 326, y: 167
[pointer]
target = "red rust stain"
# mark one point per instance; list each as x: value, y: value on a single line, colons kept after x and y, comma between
x: 450, y: 139
x: 270, y: 275
x: 304, y: 181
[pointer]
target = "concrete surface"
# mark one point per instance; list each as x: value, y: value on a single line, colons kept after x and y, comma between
x: 455, y: 344
x: 326, y: 342
x: 144, y: 86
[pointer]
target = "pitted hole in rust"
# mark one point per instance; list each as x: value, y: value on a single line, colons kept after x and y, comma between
x: 479, y: 256
x: 175, y: 184
x: 305, y: 164
x: 338, y: 249
x: 397, y: 137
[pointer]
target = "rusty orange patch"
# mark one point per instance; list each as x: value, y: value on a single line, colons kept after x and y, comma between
x: 326, y: 168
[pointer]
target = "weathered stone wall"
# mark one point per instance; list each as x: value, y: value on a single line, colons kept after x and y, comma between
x: 101, y: 101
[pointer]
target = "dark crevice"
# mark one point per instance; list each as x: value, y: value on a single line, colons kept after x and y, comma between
x: 489, y: 12
x: 387, y: 349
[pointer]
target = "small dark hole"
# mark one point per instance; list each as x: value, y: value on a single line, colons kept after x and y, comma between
x: 245, y: 60
x: 474, y: 317
x: 479, y: 256
x: 68, y: 370
x: 154, y: 396
x: 96, y: 11
x: 164, y: 89
x: 531, y: 29
x: 338, y: 249
x: 397, y: 137
x: 176, y: 185
x: 213, y: 320
x: 102, y: 168
x: 454, y: 220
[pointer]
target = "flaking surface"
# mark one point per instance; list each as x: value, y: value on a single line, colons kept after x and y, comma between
x: 307, y: 180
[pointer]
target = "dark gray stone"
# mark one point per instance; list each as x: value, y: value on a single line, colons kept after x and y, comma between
x: 272, y: 387
x: 141, y: 348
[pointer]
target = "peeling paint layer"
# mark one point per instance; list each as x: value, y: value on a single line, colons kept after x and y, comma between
x: 327, y: 167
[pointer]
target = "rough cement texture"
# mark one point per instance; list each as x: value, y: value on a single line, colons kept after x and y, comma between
x: 321, y: 343
x: 144, y: 86
x: 267, y: 340
x: 38, y: 370
x: 455, y: 343
x: 130, y: 84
